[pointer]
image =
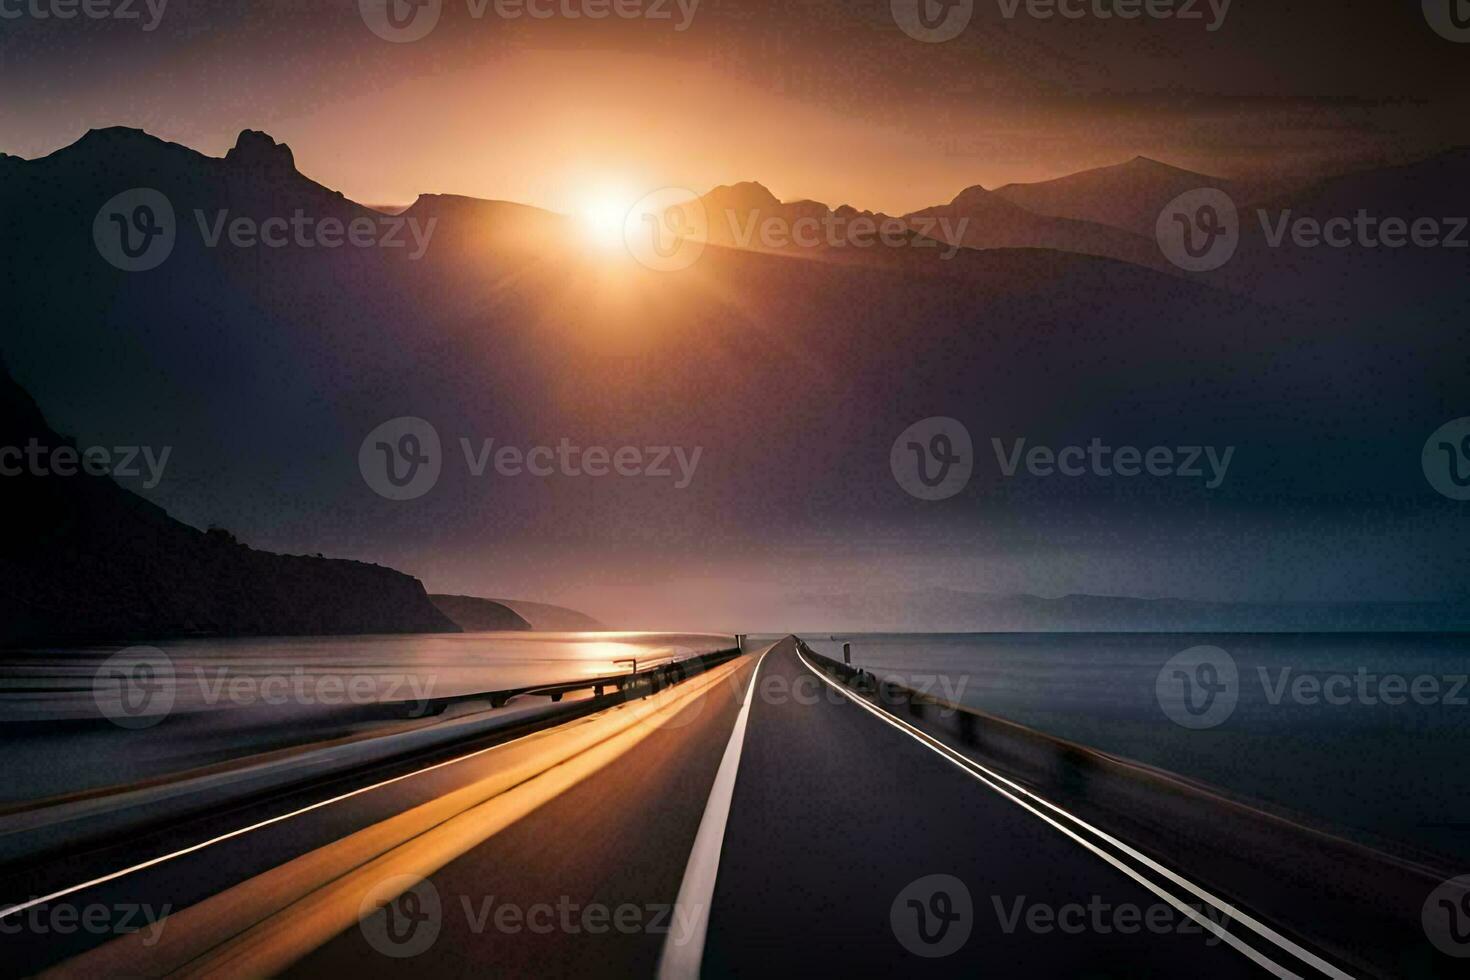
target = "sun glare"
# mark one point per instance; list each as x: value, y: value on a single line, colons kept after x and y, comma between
x: 604, y: 216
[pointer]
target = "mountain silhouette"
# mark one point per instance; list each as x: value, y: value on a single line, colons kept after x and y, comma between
x: 89, y: 560
x: 940, y: 610
x: 739, y: 214
x: 472, y: 613
x: 265, y: 368
x: 1127, y: 195
x: 475, y: 615
x: 993, y: 221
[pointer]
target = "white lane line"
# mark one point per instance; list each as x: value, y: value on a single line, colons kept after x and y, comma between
x: 141, y: 865
x: 681, y: 957
x: 980, y: 773
x: 10, y: 910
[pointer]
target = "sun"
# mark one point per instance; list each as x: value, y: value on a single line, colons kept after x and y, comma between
x: 604, y: 215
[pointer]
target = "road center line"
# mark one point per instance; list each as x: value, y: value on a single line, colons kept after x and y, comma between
x: 681, y: 958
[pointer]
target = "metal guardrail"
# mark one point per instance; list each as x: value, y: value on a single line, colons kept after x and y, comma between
x: 639, y: 683
x: 51, y: 829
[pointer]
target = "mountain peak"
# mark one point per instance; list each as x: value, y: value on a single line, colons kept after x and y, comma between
x: 747, y: 195
x: 1148, y: 165
x: 115, y: 136
x: 972, y: 196
x: 259, y: 151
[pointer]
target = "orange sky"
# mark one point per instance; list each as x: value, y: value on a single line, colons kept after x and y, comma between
x: 822, y: 100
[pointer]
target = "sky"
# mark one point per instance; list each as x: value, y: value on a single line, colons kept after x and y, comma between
x: 832, y: 101
x: 825, y: 100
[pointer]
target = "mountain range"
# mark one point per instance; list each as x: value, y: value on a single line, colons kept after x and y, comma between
x: 940, y: 610
x: 265, y: 368
x: 1129, y: 196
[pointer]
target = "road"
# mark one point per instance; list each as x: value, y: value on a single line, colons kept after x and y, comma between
x: 751, y: 820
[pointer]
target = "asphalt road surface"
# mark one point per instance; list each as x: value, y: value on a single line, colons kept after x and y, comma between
x: 766, y: 821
